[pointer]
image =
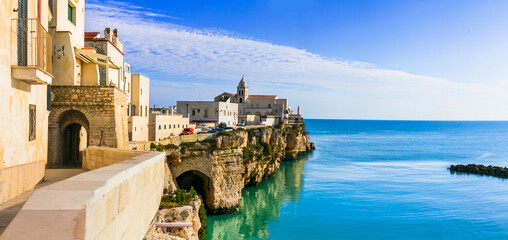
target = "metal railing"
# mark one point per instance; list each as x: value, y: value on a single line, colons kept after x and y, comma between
x: 31, y: 44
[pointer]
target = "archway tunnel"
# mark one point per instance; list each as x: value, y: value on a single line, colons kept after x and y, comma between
x: 75, y: 141
x: 201, y: 183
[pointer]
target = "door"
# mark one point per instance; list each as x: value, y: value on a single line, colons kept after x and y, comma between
x: 22, y: 32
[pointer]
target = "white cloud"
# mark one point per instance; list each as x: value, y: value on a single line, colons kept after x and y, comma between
x: 327, y: 87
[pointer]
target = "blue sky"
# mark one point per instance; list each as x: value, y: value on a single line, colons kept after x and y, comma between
x: 338, y: 59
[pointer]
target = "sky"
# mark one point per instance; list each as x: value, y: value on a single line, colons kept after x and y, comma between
x: 404, y: 60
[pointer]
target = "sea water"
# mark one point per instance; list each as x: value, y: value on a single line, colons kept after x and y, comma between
x: 380, y: 180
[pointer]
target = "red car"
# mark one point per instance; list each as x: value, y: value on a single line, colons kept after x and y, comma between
x: 187, y: 131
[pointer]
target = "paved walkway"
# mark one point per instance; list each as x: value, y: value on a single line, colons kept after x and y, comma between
x: 9, y: 209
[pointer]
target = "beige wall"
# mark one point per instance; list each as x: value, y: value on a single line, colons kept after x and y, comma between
x: 163, y: 126
x: 114, y: 202
x: 138, y: 128
x: 140, y: 94
x: 209, y: 111
x: 22, y: 162
x: 140, y: 97
x: 62, y: 24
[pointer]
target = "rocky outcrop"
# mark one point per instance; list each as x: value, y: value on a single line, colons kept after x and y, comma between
x: 188, y: 213
x: 481, y: 169
x: 235, y: 159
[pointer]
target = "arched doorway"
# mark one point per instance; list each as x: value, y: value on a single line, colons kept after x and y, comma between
x: 69, y: 135
x: 199, y: 181
x: 75, y: 142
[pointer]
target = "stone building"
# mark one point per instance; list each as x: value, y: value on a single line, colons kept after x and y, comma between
x: 210, y: 113
x: 138, y: 114
x: 92, y: 90
x: 163, y: 123
x: 259, y: 109
x: 26, y: 74
x: 109, y: 45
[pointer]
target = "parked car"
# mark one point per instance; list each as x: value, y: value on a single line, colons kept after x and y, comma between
x: 213, y: 131
x: 228, y: 128
x: 243, y: 123
x: 187, y: 131
x: 222, y: 125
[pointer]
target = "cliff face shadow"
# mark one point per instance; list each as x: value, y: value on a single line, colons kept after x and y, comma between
x: 260, y: 204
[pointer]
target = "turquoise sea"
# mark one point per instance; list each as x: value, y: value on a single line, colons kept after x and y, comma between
x: 380, y: 180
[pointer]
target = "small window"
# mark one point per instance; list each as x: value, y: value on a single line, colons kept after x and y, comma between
x: 159, y: 127
x: 178, y: 125
x: 193, y: 112
x: 71, y: 13
x: 169, y: 126
x: 164, y: 126
x: 174, y: 125
x: 32, y: 117
x: 50, y: 4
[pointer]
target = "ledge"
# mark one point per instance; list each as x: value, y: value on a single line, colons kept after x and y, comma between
x: 32, y: 75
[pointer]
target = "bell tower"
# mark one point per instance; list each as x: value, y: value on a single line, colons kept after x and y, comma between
x: 242, y: 91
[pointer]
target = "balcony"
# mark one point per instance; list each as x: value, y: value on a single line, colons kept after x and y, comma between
x: 31, y: 52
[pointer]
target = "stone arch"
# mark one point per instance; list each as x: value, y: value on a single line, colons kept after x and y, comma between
x: 200, y: 182
x: 258, y: 114
x: 65, y: 131
x: 248, y: 113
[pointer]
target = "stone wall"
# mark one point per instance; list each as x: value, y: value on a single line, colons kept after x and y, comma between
x: 100, y: 110
x: 98, y: 157
x: 232, y: 160
x: 114, y: 202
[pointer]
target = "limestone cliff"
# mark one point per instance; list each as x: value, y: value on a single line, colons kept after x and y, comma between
x: 189, y: 213
x: 221, y: 167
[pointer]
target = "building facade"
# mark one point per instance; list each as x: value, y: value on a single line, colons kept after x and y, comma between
x: 208, y: 112
x: 26, y: 74
x: 138, y: 114
x: 259, y: 109
x: 163, y: 126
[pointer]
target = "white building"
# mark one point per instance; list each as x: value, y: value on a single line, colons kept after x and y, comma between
x: 210, y: 113
x: 163, y: 123
x: 259, y: 109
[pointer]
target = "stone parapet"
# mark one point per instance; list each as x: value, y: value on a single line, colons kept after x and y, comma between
x: 118, y: 201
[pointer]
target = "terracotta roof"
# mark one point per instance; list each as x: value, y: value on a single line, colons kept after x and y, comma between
x: 90, y: 35
x: 261, y: 97
x: 231, y: 94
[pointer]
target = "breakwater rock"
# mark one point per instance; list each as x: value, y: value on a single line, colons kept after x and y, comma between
x: 221, y: 167
x: 481, y: 169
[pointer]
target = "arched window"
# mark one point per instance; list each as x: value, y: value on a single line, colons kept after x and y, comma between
x: 146, y: 111
x: 241, y: 100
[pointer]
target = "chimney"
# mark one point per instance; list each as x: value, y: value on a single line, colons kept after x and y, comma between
x: 107, y: 34
x: 299, y: 110
x: 115, y: 37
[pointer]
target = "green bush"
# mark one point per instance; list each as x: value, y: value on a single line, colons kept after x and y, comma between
x: 152, y: 146
x: 248, y: 154
x: 170, y: 146
x: 159, y: 148
x: 267, y: 149
x: 225, y: 133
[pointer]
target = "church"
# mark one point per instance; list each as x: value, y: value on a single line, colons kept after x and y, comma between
x: 260, y: 109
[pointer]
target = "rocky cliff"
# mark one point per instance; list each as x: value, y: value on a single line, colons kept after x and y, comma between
x: 188, y: 213
x: 221, y: 167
